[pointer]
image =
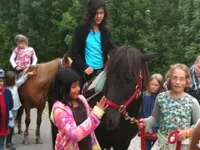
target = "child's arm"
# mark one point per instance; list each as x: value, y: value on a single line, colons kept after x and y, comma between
x: 195, y: 118
x: 10, y: 115
x: 22, y: 80
x: 34, y: 59
x: 155, y: 116
x: 8, y: 94
x: 12, y: 60
x: 195, y: 112
x: 156, y: 127
x: 65, y: 121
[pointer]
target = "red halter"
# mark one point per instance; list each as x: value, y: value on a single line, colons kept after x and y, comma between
x: 122, y: 108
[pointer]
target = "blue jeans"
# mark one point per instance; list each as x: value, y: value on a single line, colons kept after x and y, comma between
x: 149, y: 144
x: 2, y: 141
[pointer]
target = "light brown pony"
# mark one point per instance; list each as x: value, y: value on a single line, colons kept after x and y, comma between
x: 33, y: 94
x: 195, y: 138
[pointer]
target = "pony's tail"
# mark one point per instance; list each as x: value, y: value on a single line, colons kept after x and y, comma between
x: 54, y: 129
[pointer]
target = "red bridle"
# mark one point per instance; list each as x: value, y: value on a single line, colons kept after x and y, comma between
x: 122, y: 108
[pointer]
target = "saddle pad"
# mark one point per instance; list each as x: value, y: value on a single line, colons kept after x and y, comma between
x: 98, y: 83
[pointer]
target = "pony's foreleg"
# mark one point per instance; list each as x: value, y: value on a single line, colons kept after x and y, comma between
x: 27, y: 122
x: 39, y: 120
x: 19, y: 119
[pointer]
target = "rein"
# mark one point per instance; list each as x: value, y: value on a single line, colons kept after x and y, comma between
x: 175, y: 135
x: 122, y: 108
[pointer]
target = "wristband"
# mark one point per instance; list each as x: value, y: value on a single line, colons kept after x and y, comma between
x: 187, y: 132
x: 98, y: 112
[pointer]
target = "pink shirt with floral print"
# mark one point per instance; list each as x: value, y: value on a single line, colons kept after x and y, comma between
x: 22, y: 57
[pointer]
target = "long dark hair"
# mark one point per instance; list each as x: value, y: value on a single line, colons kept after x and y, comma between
x: 60, y: 87
x: 59, y: 91
x: 91, y: 9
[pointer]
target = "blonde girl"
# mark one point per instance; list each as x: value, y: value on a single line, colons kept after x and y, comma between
x: 23, y: 56
x: 148, y: 102
x: 175, y: 110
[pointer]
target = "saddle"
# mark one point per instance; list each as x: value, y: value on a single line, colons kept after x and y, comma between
x: 94, y: 86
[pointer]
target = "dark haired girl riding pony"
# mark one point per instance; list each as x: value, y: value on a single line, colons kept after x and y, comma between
x: 91, y: 41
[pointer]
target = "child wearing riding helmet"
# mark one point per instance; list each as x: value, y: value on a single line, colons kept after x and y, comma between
x: 23, y: 55
x: 92, y: 41
x: 72, y: 115
x: 6, y: 104
x: 175, y: 110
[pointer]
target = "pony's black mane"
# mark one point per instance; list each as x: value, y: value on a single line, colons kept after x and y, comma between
x: 122, y: 74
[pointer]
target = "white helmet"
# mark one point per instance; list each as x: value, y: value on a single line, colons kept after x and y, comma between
x: 2, y: 74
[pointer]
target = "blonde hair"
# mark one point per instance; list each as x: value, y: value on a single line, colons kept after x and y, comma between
x: 20, y: 39
x: 197, y: 60
x: 158, y: 77
x: 171, y: 70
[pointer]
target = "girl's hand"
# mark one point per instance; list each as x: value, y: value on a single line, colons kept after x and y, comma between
x: 11, y: 118
x: 18, y: 68
x: 89, y: 71
x: 140, y: 123
x: 32, y: 73
x: 150, y: 131
x: 182, y: 135
x: 101, y: 103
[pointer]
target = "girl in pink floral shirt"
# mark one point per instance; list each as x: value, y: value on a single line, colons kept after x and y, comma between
x: 23, y: 56
x: 72, y: 115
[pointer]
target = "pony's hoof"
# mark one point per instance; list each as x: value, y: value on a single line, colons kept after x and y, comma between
x: 38, y: 140
x: 26, y: 142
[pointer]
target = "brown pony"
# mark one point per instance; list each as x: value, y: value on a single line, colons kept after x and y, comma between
x: 33, y: 94
x: 195, y: 138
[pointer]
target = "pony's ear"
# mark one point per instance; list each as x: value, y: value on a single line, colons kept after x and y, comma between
x: 65, y: 56
x: 149, y: 56
x: 67, y: 61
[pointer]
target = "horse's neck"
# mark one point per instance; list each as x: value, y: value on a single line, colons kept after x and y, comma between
x: 47, y: 71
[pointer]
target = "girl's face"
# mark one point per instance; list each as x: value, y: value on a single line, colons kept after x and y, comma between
x: 178, y: 80
x: 1, y: 83
x: 197, y: 69
x: 154, y: 86
x: 99, y: 16
x: 74, y: 91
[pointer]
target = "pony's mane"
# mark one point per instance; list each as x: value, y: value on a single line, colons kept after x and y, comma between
x: 123, y: 73
x: 46, y: 71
